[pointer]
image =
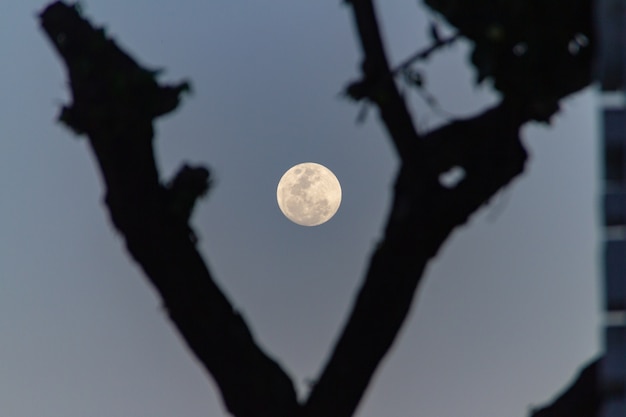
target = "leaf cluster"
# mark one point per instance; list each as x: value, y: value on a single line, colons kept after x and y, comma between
x: 534, y: 51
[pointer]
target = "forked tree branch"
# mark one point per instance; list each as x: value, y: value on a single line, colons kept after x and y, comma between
x: 423, y: 214
x: 115, y: 103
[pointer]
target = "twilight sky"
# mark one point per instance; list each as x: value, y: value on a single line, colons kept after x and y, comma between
x: 508, y: 311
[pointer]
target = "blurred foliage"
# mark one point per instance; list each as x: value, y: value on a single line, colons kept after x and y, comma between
x: 534, y: 51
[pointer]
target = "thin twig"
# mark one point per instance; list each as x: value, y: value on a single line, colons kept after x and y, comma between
x: 424, y: 53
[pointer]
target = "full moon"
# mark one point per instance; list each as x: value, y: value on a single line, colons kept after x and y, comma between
x: 308, y: 194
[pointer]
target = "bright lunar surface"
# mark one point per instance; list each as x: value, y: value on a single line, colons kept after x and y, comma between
x: 309, y: 194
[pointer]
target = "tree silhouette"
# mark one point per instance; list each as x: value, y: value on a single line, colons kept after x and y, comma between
x: 115, y: 102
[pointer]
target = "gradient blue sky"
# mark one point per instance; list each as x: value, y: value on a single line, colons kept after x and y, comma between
x: 507, y: 313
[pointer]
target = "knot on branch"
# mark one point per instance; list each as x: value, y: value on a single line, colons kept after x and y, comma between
x: 358, y: 90
x: 371, y: 85
x: 186, y: 188
x: 108, y: 86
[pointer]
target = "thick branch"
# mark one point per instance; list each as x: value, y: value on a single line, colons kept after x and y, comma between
x: 115, y: 102
x: 423, y: 214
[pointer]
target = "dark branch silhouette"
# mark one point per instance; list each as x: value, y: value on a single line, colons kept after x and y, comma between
x: 423, y: 214
x: 115, y: 102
